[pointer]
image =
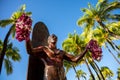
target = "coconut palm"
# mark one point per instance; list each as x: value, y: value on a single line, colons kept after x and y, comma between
x: 75, y: 44
x: 100, y: 15
x: 81, y: 74
x: 11, y: 54
x: 70, y: 46
x: 107, y: 72
x: 4, y: 23
x: 104, y: 39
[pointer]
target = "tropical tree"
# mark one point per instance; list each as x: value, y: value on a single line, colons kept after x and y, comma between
x: 102, y: 26
x: 99, y: 24
x: 82, y: 74
x: 107, y: 73
x: 75, y: 44
x: 11, y: 31
x: 12, y: 54
x: 102, y: 15
x: 70, y: 46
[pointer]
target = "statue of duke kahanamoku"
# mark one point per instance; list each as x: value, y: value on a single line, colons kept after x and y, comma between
x: 53, y: 58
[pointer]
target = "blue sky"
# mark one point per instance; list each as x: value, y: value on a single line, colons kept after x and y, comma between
x: 60, y: 16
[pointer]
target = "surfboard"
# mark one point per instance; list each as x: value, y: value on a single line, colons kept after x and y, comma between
x: 35, y: 65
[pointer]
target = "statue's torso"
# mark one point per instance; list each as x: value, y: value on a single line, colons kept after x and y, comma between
x: 53, y: 61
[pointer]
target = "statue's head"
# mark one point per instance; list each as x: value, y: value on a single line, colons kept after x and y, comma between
x: 52, y: 39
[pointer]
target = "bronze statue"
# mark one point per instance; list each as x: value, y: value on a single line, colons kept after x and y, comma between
x: 52, y: 58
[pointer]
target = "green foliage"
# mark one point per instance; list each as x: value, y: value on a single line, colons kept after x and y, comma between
x: 119, y: 55
x: 12, y: 54
x: 22, y: 8
x: 8, y: 66
x: 14, y: 17
x: 81, y: 73
x: 107, y: 72
x: 67, y: 65
x: 101, y: 24
x: 4, y: 23
x: 74, y: 44
x: 114, y: 27
x: 13, y: 31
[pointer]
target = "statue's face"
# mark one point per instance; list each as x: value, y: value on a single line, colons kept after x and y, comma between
x: 52, y: 39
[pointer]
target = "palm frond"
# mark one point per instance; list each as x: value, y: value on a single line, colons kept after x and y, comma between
x: 16, y: 15
x: 8, y: 66
x: 83, y: 20
x: 22, y: 8
x: 110, y: 7
x: 13, y: 31
x: 113, y: 17
x: 28, y: 13
x: 4, y: 23
x: 81, y: 73
x: 16, y: 56
x: 107, y: 72
x: 119, y: 55
x: 13, y: 52
x: 67, y: 65
x: 1, y: 43
x: 87, y: 11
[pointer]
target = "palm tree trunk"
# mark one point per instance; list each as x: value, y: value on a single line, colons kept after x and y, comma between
x: 99, y: 70
x: 111, y: 33
x: 113, y: 55
x: 95, y: 69
x: 2, y: 54
x: 75, y: 71
x: 90, y: 70
x: 113, y: 45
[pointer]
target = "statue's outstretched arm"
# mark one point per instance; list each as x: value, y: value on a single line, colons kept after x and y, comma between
x: 72, y: 58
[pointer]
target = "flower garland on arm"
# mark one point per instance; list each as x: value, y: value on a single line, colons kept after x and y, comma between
x: 95, y: 49
x: 23, y: 27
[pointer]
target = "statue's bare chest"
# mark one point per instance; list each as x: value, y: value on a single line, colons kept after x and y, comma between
x: 54, y: 56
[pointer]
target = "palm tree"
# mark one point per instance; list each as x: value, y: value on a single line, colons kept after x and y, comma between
x: 82, y: 74
x: 100, y: 15
x: 4, y: 23
x: 2, y: 54
x: 103, y: 38
x: 71, y: 46
x: 75, y: 72
x: 106, y: 72
x: 76, y: 44
x: 12, y: 53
